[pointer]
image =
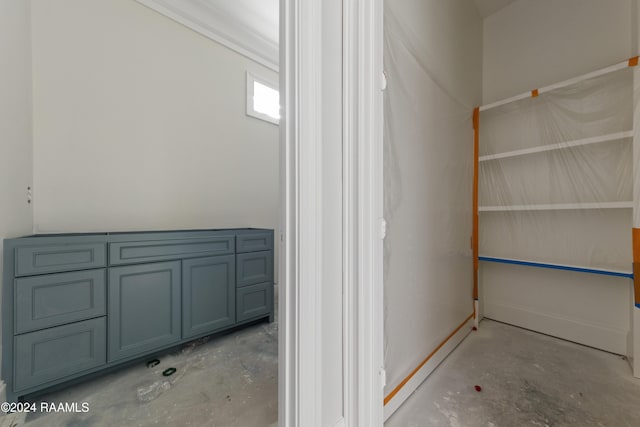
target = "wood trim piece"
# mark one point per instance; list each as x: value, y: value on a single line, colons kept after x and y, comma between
x: 399, y: 387
x: 305, y: 81
x: 636, y: 264
x: 636, y: 281
x: 476, y: 157
x: 363, y: 130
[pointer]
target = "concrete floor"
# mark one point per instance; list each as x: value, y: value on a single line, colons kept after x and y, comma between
x: 527, y: 379
x: 225, y: 381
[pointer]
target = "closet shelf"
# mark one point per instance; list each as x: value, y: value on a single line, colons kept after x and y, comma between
x: 560, y: 146
x: 540, y: 91
x: 557, y: 207
x: 579, y: 269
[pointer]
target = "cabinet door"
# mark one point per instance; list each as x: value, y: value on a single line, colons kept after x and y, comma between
x: 144, y: 308
x: 208, y: 294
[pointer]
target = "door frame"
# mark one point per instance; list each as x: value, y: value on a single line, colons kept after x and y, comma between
x: 300, y: 316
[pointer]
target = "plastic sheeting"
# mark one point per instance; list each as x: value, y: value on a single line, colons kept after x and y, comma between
x: 549, y: 188
x: 428, y: 175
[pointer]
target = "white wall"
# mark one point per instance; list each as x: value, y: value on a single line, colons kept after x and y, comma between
x: 433, y: 58
x: 16, y: 169
x: 534, y: 43
x: 16, y: 164
x: 139, y: 124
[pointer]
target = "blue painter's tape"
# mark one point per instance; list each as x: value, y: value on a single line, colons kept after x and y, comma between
x: 557, y: 267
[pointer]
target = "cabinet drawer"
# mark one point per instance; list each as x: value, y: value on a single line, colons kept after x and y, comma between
x: 32, y: 260
x: 55, y: 353
x: 55, y: 299
x: 254, y: 301
x: 254, y: 242
x: 254, y: 267
x: 163, y: 250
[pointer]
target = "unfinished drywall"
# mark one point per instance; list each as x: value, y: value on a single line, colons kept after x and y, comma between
x: 534, y: 43
x: 527, y: 45
x: 16, y: 164
x: 433, y: 61
x: 139, y: 124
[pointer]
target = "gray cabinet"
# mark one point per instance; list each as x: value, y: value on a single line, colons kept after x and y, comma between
x: 74, y: 305
x: 254, y: 242
x: 59, y: 257
x: 161, y: 250
x: 254, y: 267
x: 54, y: 353
x: 254, y: 301
x: 55, y: 299
x: 208, y: 295
x: 144, y: 308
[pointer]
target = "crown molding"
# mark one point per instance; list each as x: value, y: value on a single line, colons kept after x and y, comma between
x: 219, y: 24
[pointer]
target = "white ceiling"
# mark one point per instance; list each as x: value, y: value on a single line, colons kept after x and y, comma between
x: 489, y: 7
x: 260, y: 15
x: 250, y: 27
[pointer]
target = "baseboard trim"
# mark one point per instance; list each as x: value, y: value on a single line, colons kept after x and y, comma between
x: 582, y: 332
x: 401, y: 393
x: 634, y: 356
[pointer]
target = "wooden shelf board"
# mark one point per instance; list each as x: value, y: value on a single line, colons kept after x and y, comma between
x: 557, y: 207
x: 560, y: 146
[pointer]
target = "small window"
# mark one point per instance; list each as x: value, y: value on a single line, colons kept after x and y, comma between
x: 263, y: 99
